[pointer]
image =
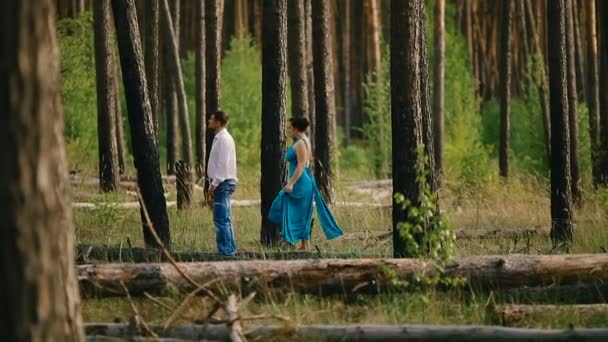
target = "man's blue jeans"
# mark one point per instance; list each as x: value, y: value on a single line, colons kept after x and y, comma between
x: 224, y: 232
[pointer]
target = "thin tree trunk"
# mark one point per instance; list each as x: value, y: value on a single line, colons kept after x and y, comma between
x: 439, y: 85
x: 373, y: 38
x: 39, y: 296
x: 106, y: 97
x: 145, y: 151
x: 310, y: 75
x: 561, y: 196
x: 296, y: 42
x: 325, y: 111
x: 603, y: 76
x: 581, y: 81
x: 409, y: 106
x: 120, y: 134
x: 171, y: 116
x: 356, y: 66
x: 214, y: 10
x: 184, y: 25
x: 151, y: 56
x: 505, y: 99
x: 572, y: 105
x: 593, y: 102
x: 199, y: 66
x: 346, y: 72
x: 274, y: 84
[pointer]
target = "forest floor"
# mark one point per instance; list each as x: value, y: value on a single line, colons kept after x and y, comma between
x: 523, y: 204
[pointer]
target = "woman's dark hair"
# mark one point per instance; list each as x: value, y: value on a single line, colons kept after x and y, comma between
x: 300, y: 123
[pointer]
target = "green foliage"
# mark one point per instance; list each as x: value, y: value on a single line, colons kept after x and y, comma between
x: 78, y: 88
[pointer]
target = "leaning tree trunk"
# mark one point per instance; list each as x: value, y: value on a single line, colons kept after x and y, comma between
x: 120, y: 134
x: 106, y: 97
x: 561, y: 196
x: 214, y: 10
x: 603, y: 76
x: 409, y: 106
x: 575, y: 173
x: 39, y: 296
x: 151, y: 56
x: 505, y: 105
x: 593, y: 102
x: 175, y: 69
x: 199, y: 96
x: 296, y: 41
x: 145, y: 150
x: 325, y: 111
x: 439, y: 85
x: 274, y: 91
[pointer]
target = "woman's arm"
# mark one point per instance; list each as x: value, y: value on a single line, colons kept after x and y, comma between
x: 302, y: 160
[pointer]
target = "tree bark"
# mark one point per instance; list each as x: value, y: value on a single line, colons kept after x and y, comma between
x: 310, y: 76
x: 214, y: 10
x: 561, y: 196
x: 296, y: 42
x: 505, y: 86
x: 409, y: 107
x: 325, y: 111
x: 120, y: 134
x: 39, y: 297
x: 439, y: 84
x: 575, y: 173
x: 151, y: 56
x: 175, y: 69
x: 345, y: 65
x: 358, y: 332
x: 356, y: 67
x: 603, y: 76
x: 199, y: 98
x: 106, y: 97
x: 145, y: 150
x: 341, y: 276
x: 183, y: 185
x: 274, y: 84
x: 593, y: 102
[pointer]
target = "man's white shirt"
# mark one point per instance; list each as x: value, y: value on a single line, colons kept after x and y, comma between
x: 222, y: 158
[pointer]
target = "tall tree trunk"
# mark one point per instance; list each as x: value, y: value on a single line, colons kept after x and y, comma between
x: 185, y: 11
x: 561, y: 196
x: 373, y: 36
x: 505, y: 105
x: 581, y: 81
x: 325, y: 111
x: 120, y: 134
x: 356, y: 66
x: 439, y: 84
x: 175, y: 69
x: 240, y: 18
x: 593, y: 101
x: 106, y: 97
x: 310, y: 75
x: 603, y: 76
x: 199, y: 98
x: 214, y: 10
x: 345, y: 65
x: 274, y: 84
x: 296, y: 42
x: 151, y: 56
x: 575, y: 176
x: 39, y: 296
x: 145, y: 151
x: 409, y: 106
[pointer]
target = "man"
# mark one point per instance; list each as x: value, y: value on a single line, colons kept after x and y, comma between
x: 221, y: 172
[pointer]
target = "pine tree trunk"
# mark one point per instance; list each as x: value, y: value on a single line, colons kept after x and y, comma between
x: 356, y: 66
x: 39, y: 296
x: 593, y: 102
x: 575, y: 176
x: 151, y: 56
x: 199, y: 98
x: 106, y: 97
x: 310, y: 75
x: 409, y: 106
x: 120, y: 134
x: 561, y: 196
x: 145, y: 150
x: 505, y: 99
x: 325, y: 111
x: 345, y: 65
x: 184, y: 25
x: 296, y: 41
x: 603, y: 76
x: 214, y: 10
x: 274, y: 91
x: 439, y: 84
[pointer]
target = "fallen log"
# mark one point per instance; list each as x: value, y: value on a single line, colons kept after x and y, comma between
x: 341, y: 276
x: 461, y: 233
x: 381, y: 333
x: 86, y: 254
x: 513, y: 313
x: 566, y: 294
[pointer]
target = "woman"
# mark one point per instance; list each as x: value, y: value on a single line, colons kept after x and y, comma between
x: 292, y: 209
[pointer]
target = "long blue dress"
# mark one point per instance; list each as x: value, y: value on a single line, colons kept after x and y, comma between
x: 293, y: 210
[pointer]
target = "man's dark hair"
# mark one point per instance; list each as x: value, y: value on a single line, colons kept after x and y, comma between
x: 300, y: 123
x: 221, y: 117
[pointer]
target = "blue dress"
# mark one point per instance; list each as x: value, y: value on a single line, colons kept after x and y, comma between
x: 293, y: 210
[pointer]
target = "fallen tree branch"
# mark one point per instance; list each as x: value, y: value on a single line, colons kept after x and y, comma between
x: 383, y: 333
x: 138, y: 319
x: 342, y: 275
